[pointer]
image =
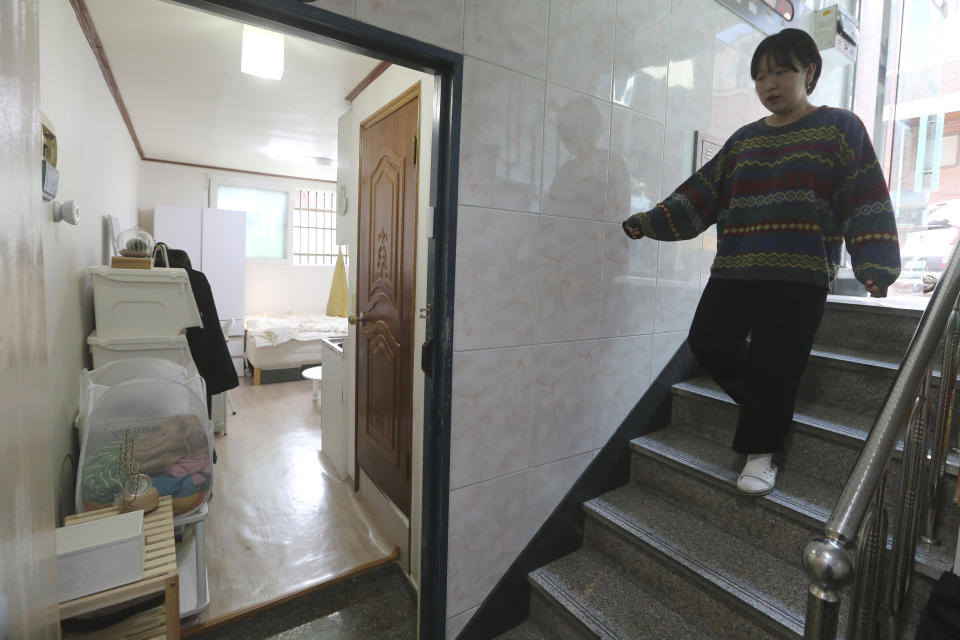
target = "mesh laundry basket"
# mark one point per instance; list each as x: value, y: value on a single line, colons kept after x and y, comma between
x: 94, y: 383
x: 162, y: 426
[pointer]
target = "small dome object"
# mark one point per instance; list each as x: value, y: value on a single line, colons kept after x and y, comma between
x: 135, y: 243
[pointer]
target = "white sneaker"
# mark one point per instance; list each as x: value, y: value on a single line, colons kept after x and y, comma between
x: 759, y: 475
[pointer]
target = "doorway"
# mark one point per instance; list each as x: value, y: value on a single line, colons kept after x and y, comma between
x: 293, y: 17
x: 428, y: 496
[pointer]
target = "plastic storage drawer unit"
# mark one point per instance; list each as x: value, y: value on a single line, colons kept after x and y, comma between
x: 100, y: 554
x: 172, y: 348
x: 142, y: 302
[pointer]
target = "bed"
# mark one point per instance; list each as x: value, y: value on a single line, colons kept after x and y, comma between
x: 284, y: 341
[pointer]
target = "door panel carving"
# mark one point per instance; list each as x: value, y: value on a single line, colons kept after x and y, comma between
x: 385, y: 293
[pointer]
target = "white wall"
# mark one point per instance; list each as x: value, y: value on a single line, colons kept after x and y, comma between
x: 28, y: 574
x: 99, y: 169
x: 394, y: 81
x: 268, y: 287
x: 575, y: 114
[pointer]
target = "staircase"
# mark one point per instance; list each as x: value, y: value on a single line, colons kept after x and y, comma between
x: 679, y: 553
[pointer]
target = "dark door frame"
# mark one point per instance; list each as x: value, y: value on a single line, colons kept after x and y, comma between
x: 296, y: 18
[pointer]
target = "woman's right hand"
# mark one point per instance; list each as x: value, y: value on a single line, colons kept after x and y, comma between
x: 631, y: 229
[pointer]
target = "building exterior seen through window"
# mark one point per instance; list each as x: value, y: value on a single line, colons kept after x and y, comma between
x: 921, y: 130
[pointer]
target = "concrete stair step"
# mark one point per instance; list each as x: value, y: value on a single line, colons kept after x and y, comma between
x: 825, y: 440
x: 592, y: 597
x: 867, y: 325
x: 824, y: 443
x: 702, y: 474
x: 854, y: 380
x: 724, y: 584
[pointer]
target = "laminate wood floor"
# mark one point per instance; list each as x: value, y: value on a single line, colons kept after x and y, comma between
x: 280, y: 521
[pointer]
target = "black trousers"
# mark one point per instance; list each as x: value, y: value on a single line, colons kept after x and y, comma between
x: 763, y: 374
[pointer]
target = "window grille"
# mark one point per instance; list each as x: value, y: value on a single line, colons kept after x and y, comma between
x: 315, y: 227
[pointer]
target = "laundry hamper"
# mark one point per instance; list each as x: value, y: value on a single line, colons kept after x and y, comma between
x: 158, y: 423
x: 94, y: 383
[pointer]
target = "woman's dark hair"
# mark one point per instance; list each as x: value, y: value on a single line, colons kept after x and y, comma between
x: 786, y: 49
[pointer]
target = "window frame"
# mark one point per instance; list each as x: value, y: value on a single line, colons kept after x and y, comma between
x: 264, y: 184
x: 336, y: 218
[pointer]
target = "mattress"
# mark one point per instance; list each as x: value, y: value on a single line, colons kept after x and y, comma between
x: 292, y: 353
x: 280, y: 341
x: 272, y: 329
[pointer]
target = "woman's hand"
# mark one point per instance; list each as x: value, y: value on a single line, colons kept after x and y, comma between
x: 874, y: 290
x: 631, y: 229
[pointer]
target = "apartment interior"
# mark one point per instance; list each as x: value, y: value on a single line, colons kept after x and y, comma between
x: 567, y: 341
x: 184, y: 137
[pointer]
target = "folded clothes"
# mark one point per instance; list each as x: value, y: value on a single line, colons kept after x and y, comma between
x: 167, y: 485
x: 190, y: 466
x: 177, y: 437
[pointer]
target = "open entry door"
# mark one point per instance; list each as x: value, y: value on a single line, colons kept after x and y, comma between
x: 386, y: 273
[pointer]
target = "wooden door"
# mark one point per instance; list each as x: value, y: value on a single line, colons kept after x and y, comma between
x: 385, y: 294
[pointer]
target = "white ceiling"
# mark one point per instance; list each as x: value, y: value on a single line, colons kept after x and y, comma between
x: 178, y: 71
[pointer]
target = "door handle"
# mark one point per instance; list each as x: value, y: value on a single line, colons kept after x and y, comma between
x: 358, y: 319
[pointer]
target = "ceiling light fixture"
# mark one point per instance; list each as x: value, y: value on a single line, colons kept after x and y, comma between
x: 262, y: 53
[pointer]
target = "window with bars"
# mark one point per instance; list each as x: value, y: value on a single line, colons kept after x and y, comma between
x: 314, y: 238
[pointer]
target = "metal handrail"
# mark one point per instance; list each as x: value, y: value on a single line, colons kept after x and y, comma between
x: 827, y: 561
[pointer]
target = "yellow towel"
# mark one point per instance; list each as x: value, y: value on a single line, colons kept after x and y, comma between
x: 337, y: 304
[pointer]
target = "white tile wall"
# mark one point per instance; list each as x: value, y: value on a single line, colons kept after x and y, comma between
x: 564, y: 400
x: 487, y: 530
x: 548, y: 484
x: 511, y: 33
x: 678, y: 285
x: 641, y: 56
x: 497, y: 257
x: 679, y: 154
x: 491, y: 417
x: 580, y: 45
x: 575, y: 114
x: 636, y: 155
x: 575, y: 150
x: 690, y: 70
x: 501, y: 138
x: 664, y: 346
x: 438, y: 22
x: 623, y: 376
x: 568, y: 295
x: 629, y: 283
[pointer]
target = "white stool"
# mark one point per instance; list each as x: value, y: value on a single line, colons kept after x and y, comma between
x: 315, y: 374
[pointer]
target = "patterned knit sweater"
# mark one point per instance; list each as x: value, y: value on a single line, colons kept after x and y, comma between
x: 784, y: 199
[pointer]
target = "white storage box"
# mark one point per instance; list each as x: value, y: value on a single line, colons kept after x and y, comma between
x: 142, y: 302
x: 172, y: 348
x: 99, y: 555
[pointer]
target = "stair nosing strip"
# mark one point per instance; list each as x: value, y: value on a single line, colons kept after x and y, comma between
x: 755, y: 600
x: 579, y: 610
x: 825, y: 352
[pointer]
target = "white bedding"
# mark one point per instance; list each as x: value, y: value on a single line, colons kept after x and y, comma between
x: 270, y: 330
